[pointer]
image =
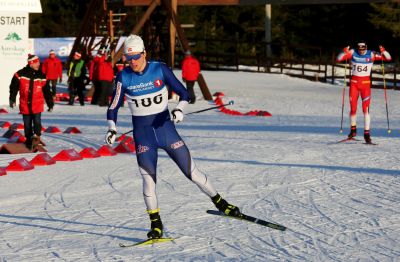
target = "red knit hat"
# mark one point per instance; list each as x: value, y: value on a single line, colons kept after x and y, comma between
x: 32, y: 59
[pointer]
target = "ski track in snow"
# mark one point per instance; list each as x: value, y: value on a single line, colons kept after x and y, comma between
x: 340, y: 202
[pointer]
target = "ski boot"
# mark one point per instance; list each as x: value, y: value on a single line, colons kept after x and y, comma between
x: 353, y: 132
x: 367, y: 137
x: 156, y: 230
x: 225, y: 207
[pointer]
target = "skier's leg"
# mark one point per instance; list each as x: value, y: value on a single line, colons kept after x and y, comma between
x: 353, y: 98
x: 146, y: 155
x: 366, y: 101
x: 179, y: 153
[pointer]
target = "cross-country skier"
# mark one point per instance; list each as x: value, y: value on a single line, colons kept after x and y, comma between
x: 145, y: 85
x: 361, y: 61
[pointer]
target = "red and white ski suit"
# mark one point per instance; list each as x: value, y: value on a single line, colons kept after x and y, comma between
x: 360, y: 81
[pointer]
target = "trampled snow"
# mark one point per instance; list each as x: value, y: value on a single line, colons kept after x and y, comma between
x: 340, y: 202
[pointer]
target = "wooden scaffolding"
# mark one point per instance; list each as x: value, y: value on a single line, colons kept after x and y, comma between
x: 110, y: 25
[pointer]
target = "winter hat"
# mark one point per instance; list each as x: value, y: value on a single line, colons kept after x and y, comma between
x: 32, y: 59
x: 51, y: 52
x: 133, y: 44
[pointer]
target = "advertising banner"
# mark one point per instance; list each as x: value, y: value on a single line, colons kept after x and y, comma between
x: 14, y: 42
x: 13, y: 48
x: 61, y: 46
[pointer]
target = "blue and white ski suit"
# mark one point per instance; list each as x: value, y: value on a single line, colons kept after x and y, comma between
x: 147, y: 97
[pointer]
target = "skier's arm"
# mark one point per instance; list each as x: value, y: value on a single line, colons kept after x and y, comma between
x: 172, y: 82
x: 116, y: 102
x: 383, y: 55
x: 345, y: 55
x: 176, y: 86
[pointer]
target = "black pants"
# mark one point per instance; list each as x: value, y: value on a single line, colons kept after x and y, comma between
x: 32, y: 125
x: 96, y: 93
x: 106, y: 88
x: 76, y: 87
x: 189, y: 87
x: 53, y: 84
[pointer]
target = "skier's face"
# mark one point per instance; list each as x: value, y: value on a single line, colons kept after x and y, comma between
x: 362, y: 49
x: 137, y: 60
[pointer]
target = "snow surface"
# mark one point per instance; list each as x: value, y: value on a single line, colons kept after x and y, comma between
x: 340, y: 202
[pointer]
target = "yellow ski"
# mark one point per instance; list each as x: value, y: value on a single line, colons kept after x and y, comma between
x: 149, y: 241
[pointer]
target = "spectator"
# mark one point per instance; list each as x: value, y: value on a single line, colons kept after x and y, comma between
x: 120, y: 65
x: 94, y: 76
x: 190, y: 73
x: 106, y: 79
x: 33, y: 90
x: 52, y: 68
x: 76, y: 79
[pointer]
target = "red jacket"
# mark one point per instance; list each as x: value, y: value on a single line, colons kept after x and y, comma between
x: 105, y: 71
x: 190, y: 68
x: 33, y: 91
x: 52, y: 68
x: 93, y: 67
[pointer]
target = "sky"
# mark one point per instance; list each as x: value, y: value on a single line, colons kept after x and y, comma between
x: 339, y: 201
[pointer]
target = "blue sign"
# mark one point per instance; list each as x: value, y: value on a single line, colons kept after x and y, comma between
x: 61, y: 46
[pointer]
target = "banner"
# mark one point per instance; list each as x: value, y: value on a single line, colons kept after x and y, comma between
x: 14, y: 42
x: 13, y: 48
x: 62, y: 46
x: 26, y: 6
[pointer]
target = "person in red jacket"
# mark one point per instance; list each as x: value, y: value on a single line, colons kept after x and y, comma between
x: 33, y: 90
x: 52, y: 68
x: 106, y: 80
x: 190, y: 73
x: 94, y: 75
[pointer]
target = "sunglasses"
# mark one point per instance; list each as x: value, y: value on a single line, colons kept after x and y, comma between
x: 134, y: 57
x: 362, y: 46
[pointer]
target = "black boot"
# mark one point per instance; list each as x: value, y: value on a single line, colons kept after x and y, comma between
x: 367, y: 137
x: 156, y: 230
x: 224, y: 206
x: 353, y: 132
x: 28, y: 144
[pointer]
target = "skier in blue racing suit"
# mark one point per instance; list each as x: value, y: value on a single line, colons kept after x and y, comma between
x: 145, y: 86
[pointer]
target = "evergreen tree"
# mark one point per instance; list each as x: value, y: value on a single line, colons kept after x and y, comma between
x: 59, y: 18
x: 387, y: 16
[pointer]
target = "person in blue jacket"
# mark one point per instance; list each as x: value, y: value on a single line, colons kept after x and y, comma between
x: 145, y: 85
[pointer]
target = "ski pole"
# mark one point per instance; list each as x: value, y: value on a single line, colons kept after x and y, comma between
x: 343, y: 93
x: 386, y: 100
x: 199, y: 111
x: 210, y: 108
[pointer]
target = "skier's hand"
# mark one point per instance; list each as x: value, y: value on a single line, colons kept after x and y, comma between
x: 110, y: 137
x: 177, y: 115
x: 381, y: 49
x: 50, y: 109
x: 12, y: 104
